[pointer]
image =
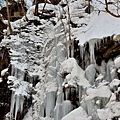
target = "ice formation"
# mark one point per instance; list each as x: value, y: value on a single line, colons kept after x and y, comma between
x: 20, y: 90
x: 77, y: 114
x: 62, y: 89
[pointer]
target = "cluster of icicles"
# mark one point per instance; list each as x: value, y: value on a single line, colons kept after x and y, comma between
x: 20, y: 90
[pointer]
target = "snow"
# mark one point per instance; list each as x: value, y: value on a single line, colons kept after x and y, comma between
x: 50, y: 63
x: 117, y: 62
x: 103, y: 91
x: 28, y: 3
x: 20, y: 89
x: 30, y: 12
x: 118, y: 71
x: 51, y: 86
x: 2, y: 3
x: 104, y: 114
x: 77, y: 114
x: 3, y: 72
x: 1, y: 80
x: 76, y: 74
x: 115, y: 82
x: 98, y: 29
x: 111, y: 110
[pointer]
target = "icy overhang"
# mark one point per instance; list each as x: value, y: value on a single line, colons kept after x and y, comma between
x: 100, y: 25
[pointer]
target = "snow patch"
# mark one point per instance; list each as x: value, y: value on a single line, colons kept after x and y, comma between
x: 77, y: 114
x: 75, y: 73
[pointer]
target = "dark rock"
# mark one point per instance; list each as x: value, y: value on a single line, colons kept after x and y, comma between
x: 2, y: 26
x: 5, y: 93
x: 55, y: 2
x: 16, y: 11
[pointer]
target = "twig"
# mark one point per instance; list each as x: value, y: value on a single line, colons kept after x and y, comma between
x: 70, y: 40
x: 44, y: 7
x: 65, y: 36
x: 86, y: 30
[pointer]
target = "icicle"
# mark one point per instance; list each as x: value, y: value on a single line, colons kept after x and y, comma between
x: 67, y: 94
x: 12, y: 105
x: 17, y: 105
x: 66, y: 107
x: 12, y: 72
x: 22, y: 75
x: 50, y: 103
x: 91, y: 49
x: 21, y: 103
x: 16, y: 72
x: 58, y: 112
x: 82, y: 52
x: 106, y: 39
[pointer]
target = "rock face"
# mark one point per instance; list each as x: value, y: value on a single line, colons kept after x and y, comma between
x: 2, y: 27
x: 4, y: 58
x: 16, y: 11
x: 104, y: 49
x: 5, y: 93
x: 55, y: 2
x: 86, y: 83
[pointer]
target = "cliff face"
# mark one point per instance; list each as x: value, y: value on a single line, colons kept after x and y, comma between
x: 5, y: 93
x: 49, y: 77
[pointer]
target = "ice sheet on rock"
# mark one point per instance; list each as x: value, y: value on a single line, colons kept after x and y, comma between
x: 77, y: 114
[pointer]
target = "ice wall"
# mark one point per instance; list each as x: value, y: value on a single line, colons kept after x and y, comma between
x: 20, y: 91
x: 63, y: 87
x: 68, y: 86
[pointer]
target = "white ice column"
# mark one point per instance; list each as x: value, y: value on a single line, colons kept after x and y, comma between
x: 91, y: 49
x: 90, y: 73
x: 12, y: 105
x: 17, y: 105
x: 66, y: 107
x: 50, y: 103
x: 58, y: 108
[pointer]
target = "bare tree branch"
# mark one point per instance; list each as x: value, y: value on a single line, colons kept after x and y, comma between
x: 36, y: 8
x: 111, y: 13
x: 44, y: 7
x: 70, y: 40
x: 8, y: 15
x: 116, y: 4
